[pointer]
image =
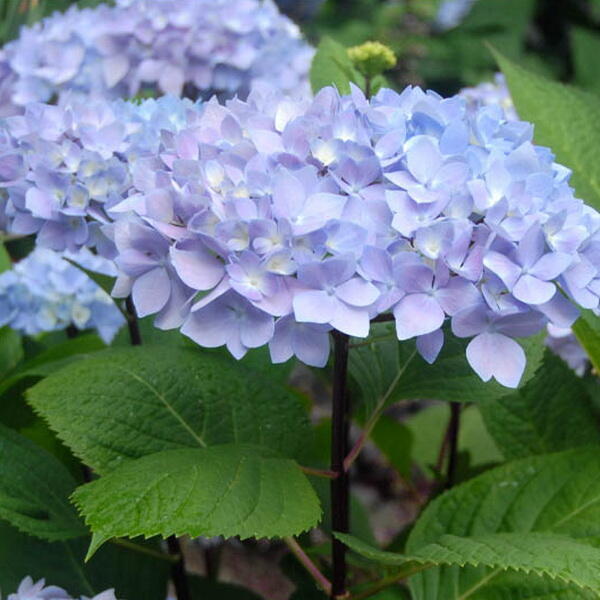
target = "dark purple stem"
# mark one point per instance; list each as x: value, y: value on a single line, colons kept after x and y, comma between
x: 178, y: 572
x: 340, y: 492
x: 132, y: 323
x: 453, y: 430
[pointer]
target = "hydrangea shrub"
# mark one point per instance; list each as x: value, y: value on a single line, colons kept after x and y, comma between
x: 422, y: 237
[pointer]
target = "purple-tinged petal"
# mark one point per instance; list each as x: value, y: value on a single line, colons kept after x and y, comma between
x: 357, y: 292
x: 430, y: 345
x: 560, y: 311
x: 314, y: 306
x: 551, y: 265
x: 495, y: 355
x: 196, y: 266
x: 502, y: 266
x: 150, y: 292
x: 417, y: 314
x: 531, y: 290
x: 350, y: 320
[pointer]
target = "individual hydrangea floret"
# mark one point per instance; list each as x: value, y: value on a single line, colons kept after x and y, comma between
x: 30, y: 590
x: 490, y: 93
x: 195, y: 47
x: 273, y: 221
x: 44, y: 292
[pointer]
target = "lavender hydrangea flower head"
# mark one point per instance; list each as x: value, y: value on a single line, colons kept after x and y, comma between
x: 273, y: 221
x: 64, y: 167
x: 30, y: 590
x: 43, y: 292
x: 167, y: 46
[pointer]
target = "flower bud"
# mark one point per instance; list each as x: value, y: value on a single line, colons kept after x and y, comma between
x: 372, y: 58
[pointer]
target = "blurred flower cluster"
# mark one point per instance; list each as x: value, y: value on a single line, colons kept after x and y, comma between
x: 202, y: 47
x: 273, y: 221
x: 44, y: 292
x: 30, y: 590
x: 451, y: 13
x: 491, y: 93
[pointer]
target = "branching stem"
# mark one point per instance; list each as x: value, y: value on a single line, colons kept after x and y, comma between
x: 308, y: 564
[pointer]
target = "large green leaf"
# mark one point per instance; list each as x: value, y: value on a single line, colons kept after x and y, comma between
x: 121, y: 404
x: 34, y: 490
x: 11, y: 350
x: 134, y: 575
x: 229, y: 490
x: 538, y: 554
x: 332, y: 66
x: 385, y: 369
x: 586, y: 46
x: 587, y: 330
x: 552, y: 412
x: 566, y: 119
x: 556, y: 494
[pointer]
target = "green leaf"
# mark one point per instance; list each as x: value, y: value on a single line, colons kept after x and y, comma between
x: 587, y: 331
x: 566, y: 119
x: 121, y: 404
x: 134, y: 575
x: 395, y: 441
x: 557, y: 494
x: 5, y: 261
x: 34, y: 490
x: 332, y: 66
x: 551, y: 413
x: 50, y: 360
x: 585, y: 44
x: 531, y: 553
x: 229, y: 490
x: 11, y: 350
x: 387, y: 370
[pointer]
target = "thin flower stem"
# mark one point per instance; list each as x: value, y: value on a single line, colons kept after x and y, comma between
x: 144, y: 550
x: 178, y: 570
x: 308, y: 564
x: 340, y: 492
x: 453, y: 431
x: 319, y: 472
x: 372, y: 421
x: 386, y: 582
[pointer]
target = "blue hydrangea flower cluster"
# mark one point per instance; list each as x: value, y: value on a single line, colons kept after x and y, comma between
x: 491, y: 93
x: 30, y: 590
x: 196, y: 47
x: 561, y: 340
x: 273, y: 221
x: 43, y: 292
